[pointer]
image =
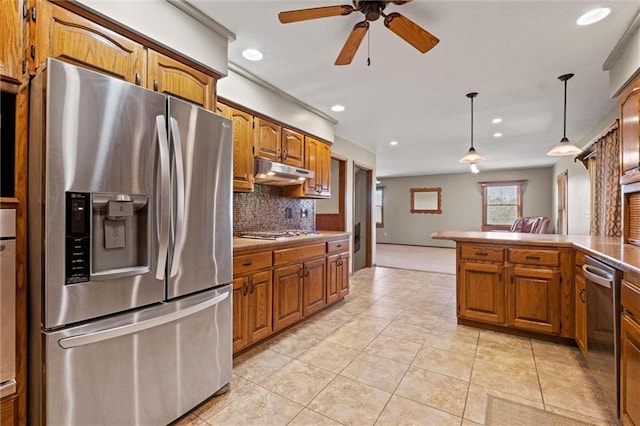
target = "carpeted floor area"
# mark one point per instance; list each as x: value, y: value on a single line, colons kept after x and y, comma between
x: 417, y: 258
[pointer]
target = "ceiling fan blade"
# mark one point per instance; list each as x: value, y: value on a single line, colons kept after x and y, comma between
x: 411, y: 32
x: 314, y: 13
x: 398, y: 2
x: 353, y: 42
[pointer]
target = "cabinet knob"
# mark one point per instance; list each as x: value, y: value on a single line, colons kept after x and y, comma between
x: 155, y: 85
x: 138, y: 79
x: 284, y: 154
x: 582, y: 296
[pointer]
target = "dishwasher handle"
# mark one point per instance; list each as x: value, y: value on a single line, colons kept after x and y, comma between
x: 598, y: 276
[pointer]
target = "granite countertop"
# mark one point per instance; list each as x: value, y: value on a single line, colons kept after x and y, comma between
x: 611, y: 250
x: 251, y: 243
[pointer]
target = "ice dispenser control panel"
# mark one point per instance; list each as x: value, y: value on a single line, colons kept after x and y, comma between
x: 78, y: 241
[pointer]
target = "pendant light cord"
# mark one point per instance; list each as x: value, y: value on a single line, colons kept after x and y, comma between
x: 564, y: 130
x: 472, y: 122
x: 368, y: 48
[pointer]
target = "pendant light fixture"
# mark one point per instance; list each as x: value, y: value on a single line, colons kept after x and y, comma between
x: 472, y: 156
x: 564, y: 147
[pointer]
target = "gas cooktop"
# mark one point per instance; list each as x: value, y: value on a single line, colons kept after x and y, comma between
x: 277, y: 235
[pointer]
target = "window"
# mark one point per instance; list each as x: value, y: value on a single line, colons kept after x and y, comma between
x: 501, y: 204
x: 379, y: 198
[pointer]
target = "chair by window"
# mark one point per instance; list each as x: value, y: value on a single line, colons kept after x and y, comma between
x: 530, y: 225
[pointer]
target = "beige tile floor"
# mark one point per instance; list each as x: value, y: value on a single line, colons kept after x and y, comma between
x: 392, y: 353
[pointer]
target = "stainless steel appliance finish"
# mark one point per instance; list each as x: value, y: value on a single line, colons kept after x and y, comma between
x: 7, y: 302
x: 603, y: 326
x: 129, y: 250
x: 271, y: 173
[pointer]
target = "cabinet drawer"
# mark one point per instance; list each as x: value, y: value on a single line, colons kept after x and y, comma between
x: 337, y: 246
x: 534, y: 257
x: 493, y: 254
x: 251, y: 262
x: 630, y: 298
x: 298, y: 254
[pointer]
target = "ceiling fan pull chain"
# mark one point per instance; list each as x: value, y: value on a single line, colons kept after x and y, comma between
x: 368, y: 48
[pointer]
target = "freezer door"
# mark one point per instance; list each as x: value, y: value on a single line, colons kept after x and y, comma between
x: 95, y: 144
x: 143, y: 368
x: 200, y: 255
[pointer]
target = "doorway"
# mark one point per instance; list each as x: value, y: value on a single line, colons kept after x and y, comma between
x: 362, y: 230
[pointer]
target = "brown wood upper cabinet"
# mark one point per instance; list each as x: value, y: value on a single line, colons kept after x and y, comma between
x: 64, y: 35
x: 242, y: 146
x: 630, y: 132
x: 266, y: 139
x: 292, y: 148
x: 13, y: 43
x: 317, y: 158
x: 67, y: 36
x: 166, y: 75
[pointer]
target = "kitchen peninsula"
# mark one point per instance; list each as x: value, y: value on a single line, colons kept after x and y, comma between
x: 533, y: 284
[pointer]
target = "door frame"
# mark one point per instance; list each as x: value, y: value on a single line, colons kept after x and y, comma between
x: 368, y: 208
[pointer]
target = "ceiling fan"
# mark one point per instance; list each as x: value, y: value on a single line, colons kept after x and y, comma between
x: 408, y: 30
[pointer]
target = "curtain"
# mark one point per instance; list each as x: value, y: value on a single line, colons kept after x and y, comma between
x: 606, y: 219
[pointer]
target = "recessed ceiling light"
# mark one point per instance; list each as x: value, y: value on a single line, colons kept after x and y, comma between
x: 252, y: 54
x: 394, y: 143
x: 496, y: 120
x: 593, y: 16
x: 497, y: 135
x: 337, y: 108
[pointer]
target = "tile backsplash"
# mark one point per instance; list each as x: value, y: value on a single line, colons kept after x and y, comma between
x: 267, y: 209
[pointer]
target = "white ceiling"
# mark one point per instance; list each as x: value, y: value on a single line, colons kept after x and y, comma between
x: 510, y: 52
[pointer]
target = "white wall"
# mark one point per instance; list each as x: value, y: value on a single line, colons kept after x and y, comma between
x: 626, y: 64
x: 265, y: 101
x: 160, y: 21
x: 351, y: 152
x: 461, y: 204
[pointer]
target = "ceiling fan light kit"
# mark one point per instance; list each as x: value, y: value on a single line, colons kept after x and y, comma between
x: 406, y: 29
x: 472, y: 156
x: 564, y: 147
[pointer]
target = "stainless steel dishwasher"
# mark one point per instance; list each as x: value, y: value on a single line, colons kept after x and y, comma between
x: 603, y: 327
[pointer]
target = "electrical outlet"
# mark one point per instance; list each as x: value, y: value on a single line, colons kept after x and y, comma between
x: 288, y: 213
x: 304, y: 213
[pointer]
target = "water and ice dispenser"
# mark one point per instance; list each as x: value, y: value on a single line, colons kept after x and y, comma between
x: 107, y: 236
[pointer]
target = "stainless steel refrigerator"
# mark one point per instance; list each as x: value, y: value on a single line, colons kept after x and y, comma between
x: 130, y: 251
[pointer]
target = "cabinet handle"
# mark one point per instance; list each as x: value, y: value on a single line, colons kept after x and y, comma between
x: 482, y: 253
x: 155, y: 85
x: 138, y: 79
x: 244, y: 288
x: 582, y: 296
x: 249, y: 263
x: 338, y: 245
x: 252, y: 286
x: 536, y: 258
x: 284, y: 154
x: 25, y: 10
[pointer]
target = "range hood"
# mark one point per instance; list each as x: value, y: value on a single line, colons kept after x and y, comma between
x: 269, y: 172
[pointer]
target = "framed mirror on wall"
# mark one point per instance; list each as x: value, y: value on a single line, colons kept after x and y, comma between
x: 426, y: 200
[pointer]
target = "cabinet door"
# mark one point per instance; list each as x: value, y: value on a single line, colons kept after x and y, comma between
x: 311, y: 162
x: 630, y: 128
x: 266, y: 139
x: 64, y: 35
x: 333, y: 277
x: 343, y: 274
x: 240, y: 313
x: 324, y: 170
x: 260, y: 293
x: 630, y: 371
x: 292, y: 148
x: 314, y: 290
x: 171, y: 77
x: 481, y: 292
x: 12, y: 42
x: 581, y: 310
x: 534, y: 299
x: 242, y: 147
x: 287, y: 296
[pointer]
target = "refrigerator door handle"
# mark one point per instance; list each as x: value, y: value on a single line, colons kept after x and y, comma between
x: 179, y: 175
x: 112, y: 333
x: 165, y: 191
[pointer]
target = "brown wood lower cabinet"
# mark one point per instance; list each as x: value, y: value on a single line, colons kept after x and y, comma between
x: 9, y: 411
x: 533, y: 296
x: 581, y: 310
x: 252, y: 299
x: 287, y: 295
x: 337, y: 277
x: 630, y: 371
x: 481, y: 292
x: 314, y: 286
